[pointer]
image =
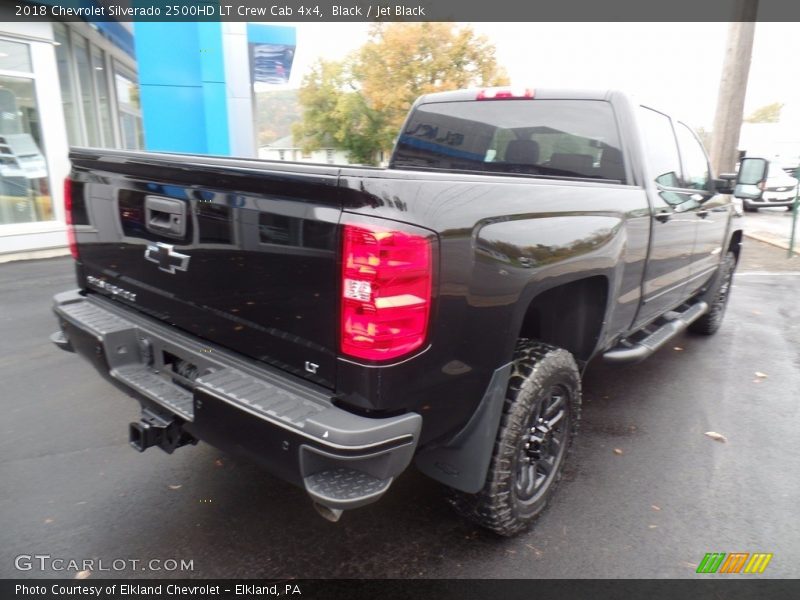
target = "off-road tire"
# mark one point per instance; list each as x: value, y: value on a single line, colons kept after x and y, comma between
x: 538, y: 370
x: 710, y: 322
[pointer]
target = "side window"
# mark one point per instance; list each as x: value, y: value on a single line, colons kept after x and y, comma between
x: 695, y: 162
x: 661, y: 150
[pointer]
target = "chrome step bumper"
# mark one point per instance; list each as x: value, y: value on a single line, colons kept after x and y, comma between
x: 290, y: 427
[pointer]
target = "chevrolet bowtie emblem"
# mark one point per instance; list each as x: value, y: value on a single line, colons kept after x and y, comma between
x: 166, y: 258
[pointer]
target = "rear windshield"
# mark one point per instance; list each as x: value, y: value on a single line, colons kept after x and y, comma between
x: 561, y: 138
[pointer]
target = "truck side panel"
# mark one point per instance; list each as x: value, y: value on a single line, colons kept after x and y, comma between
x: 504, y: 240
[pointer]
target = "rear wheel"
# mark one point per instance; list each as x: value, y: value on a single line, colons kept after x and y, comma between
x: 711, y: 321
x: 540, y: 416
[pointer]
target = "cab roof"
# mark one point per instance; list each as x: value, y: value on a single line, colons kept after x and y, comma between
x: 538, y: 93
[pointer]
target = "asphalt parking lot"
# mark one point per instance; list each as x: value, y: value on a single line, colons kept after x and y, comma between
x: 646, y: 493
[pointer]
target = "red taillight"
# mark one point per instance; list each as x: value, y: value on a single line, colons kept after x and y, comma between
x: 505, y: 94
x: 73, y: 244
x: 386, y: 291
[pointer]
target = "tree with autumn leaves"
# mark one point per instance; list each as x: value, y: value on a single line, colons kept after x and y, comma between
x: 359, y: 104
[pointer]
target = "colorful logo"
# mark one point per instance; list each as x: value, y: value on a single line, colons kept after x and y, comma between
x: 735, y: 562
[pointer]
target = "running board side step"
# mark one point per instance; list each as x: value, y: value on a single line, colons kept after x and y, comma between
x: 641, y: 349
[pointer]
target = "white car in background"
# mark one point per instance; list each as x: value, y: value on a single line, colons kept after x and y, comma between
x: 779, y: 190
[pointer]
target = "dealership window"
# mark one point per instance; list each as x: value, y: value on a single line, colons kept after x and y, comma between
x: 65, y: 80
x: 86, y: 87
x: 15, y: 56
x: 100, y: 96
x: 129, y: 107
x: 24, y: 188
x: 103, y: 102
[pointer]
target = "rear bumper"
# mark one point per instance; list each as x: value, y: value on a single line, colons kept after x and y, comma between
x: 289, y: 427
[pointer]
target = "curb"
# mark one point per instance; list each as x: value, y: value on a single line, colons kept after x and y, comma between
x: 771, y: 239
x: 34, y: 254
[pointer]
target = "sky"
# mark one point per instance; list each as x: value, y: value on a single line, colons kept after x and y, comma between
x: 674, y: 66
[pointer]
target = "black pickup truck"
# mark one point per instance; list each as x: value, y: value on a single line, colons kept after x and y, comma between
x: 332, y: 323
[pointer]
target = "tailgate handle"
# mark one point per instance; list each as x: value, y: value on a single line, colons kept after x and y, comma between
x: 165, y: 216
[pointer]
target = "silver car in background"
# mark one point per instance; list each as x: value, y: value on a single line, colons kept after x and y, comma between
x: 779, y: 190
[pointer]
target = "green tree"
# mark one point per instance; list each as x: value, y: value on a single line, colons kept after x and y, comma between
x: 276, y: 111
x: 770, y: 113
x: 360, y: 103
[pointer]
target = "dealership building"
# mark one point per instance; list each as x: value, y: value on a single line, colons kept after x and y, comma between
x: 68, y: 84
x: 61, y: 84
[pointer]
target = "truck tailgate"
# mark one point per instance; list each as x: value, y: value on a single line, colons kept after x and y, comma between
x: 241, y: 253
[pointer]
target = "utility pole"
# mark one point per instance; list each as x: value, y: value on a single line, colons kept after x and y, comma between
x: 733, y: 87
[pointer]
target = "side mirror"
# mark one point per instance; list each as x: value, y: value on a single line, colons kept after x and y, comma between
x: 751, y: 178
x: 725, y: 183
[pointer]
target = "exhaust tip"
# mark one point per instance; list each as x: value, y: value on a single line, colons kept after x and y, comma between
x: 327, y: 513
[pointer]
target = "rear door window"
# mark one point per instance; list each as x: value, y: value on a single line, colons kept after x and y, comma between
x: 560, y: 138
x: 661, y: 149
x: 695, y: 162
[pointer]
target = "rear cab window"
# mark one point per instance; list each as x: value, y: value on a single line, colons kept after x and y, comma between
x: 540, y: 137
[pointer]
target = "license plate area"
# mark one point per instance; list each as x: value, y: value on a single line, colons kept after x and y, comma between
x: 171, y: 368
x: 157, y: 368
x: 181, y: 371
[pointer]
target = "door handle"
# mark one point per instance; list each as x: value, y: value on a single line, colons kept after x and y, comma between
x: 165, y: 216
x: 702, y: 213
x: 663, y: 216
